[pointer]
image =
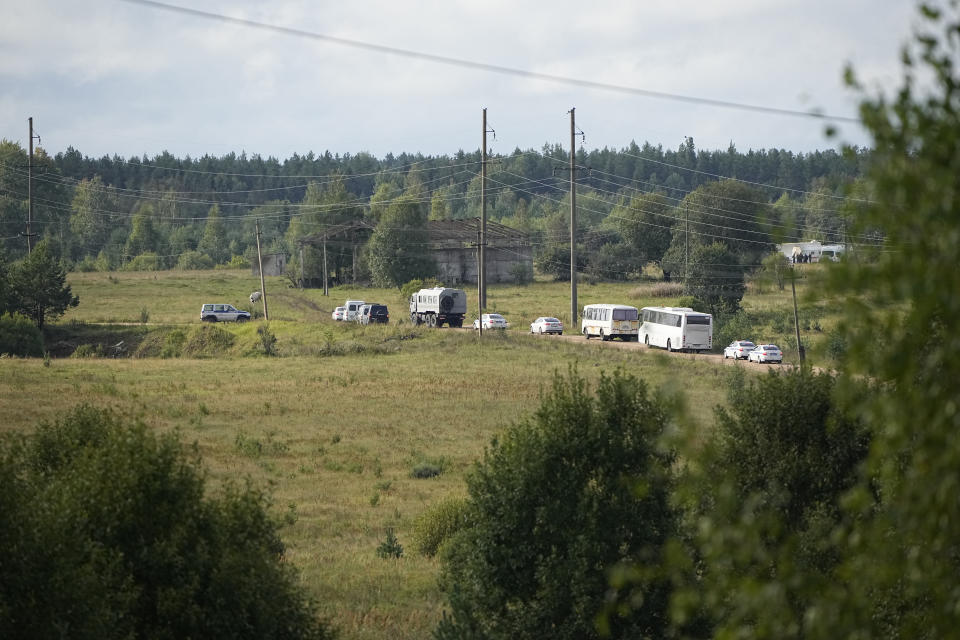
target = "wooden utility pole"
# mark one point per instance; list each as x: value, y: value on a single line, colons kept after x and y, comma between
x: 573, y: 221
x: 796, y: 315
x: 482, y: 241
x: 479, y: 282
x: 30, y: 188
x: 326, y: 289
x: 263, y: 287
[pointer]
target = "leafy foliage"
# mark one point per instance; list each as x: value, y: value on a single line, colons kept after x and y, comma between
x: 19, y: 336
x: 106, y: 531
x: 903, y: 557
x: 439, y: 523
x: 562, y: 497
x: 39, y: 286
x: 397, y: 248
x: 715, y: 279
x: 765, y: 500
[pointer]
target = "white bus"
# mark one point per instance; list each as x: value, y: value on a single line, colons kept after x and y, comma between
x: 610, y: 321
x: 677, y: 329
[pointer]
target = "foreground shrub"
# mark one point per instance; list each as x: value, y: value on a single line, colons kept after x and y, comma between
x: 438, y: 523
x: 106, y: 531
x: 557, y: 502
x: 19, y: 336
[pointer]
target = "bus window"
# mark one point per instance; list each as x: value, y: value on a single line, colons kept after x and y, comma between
x: 698, y: 319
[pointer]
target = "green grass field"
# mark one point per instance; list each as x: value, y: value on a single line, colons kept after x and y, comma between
x: 334, y: 428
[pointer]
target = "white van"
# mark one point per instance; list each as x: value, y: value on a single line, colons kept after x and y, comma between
x: 610, y: 321
x: 351, y: 307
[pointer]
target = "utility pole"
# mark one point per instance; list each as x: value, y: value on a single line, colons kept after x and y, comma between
x: 573, y: 220
x: 263, y: 287
x: 482, y: 241
x: 326, y: 288
x: 686, y: 243
x: 796, y: 316
x: 479, y: 281
x: 30, y: 189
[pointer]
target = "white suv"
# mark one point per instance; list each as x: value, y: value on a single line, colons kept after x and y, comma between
x: 223, y: 313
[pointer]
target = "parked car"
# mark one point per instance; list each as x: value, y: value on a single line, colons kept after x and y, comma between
x: 350, y: 309
x: 738, y: 349
x: 546, y: 324
x: 358, y: 316
x: 766, y: 353
x: 491, y: 321
x: 222, y: 313
x: 339, y: 314
x: 374, y: 314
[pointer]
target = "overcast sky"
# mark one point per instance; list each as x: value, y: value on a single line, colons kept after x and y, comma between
x: 113, y: 77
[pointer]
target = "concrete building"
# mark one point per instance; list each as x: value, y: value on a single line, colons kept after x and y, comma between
x: 274, y: 264
x: 453, y: 244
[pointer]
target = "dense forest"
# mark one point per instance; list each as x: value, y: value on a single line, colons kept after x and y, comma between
x: 166, y: 212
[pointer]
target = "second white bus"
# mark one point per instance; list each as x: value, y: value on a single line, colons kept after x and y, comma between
x: 677, y: 329
x: 610, y: 321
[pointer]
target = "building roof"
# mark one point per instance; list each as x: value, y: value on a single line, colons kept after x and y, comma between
x: 460, y: 233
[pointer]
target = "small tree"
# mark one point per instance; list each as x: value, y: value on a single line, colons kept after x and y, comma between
x: 561, y: 499
x: 715, y: 279
x: 39, y: 286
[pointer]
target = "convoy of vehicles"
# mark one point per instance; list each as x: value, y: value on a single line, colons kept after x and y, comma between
x: 677, y: 329
x: 608, y: 321
x: 672, y: 328
x: 438, y: 306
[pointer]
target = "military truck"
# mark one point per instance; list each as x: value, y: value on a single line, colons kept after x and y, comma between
x: 438, y: 306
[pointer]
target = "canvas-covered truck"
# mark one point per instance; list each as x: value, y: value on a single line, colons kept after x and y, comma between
x: 438, y: 306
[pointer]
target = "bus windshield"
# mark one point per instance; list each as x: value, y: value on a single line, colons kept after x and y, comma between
x: 625, y: 314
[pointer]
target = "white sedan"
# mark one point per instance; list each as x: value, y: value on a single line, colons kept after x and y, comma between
x: 546, y: 324
x: 765, y: 353
x: 339, y: 314
x: 491, y: 321
x: 738, y: 349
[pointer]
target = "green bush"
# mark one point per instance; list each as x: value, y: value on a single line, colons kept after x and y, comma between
x: 556, y: 503
x: 266, y: 341
x: 19, y: 336
x: 107, y: 531
x: 88, y: 351
x: 438, y: 523
x: 194, y: 261
x: 144, y: 262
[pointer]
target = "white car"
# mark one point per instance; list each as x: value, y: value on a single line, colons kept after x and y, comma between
x: 738, y: 349
x: 491, y: 321
x: 223, y: 313
x: 339, y: 314
x: 546, y: 324
x: 766, y: 353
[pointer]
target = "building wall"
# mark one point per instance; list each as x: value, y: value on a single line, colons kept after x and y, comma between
x: 274, y: 264
x: 455, y: 266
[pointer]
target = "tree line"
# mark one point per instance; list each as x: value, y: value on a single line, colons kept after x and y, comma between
x: 166, y: 212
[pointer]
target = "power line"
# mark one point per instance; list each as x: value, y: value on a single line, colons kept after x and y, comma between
x: 492, y: 68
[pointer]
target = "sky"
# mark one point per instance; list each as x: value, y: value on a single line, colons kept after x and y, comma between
x: 127, y: 78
